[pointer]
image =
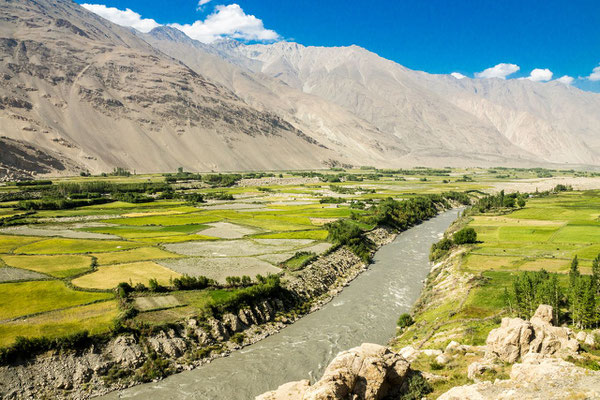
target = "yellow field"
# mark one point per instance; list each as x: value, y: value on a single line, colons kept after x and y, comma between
x: 140, y: 254
x: 138, y: 272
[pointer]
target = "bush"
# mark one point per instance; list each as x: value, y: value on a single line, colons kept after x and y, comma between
x: 417, y: 387
x: 465, y: 236
x: 238, y: 338
x: 154, y: 286
x: 187, y: 282
x: 405, y: 320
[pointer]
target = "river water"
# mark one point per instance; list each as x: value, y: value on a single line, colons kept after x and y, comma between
x: 365, y: 311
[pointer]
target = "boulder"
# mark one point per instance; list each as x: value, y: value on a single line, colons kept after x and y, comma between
x: 581, y: 336
x: 409, y: 353
x: 369, y: 371
x: 287, y: 391
x: 168, y: 343
x: 124, y: 350
x: 517, y: 337
x: 443, y: 359
x: 536, y: 377
x: 475, y: 370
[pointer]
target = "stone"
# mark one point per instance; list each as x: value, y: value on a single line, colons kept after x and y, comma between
x: 125, y: 351
x: 367, y: 372
x: 581, y: 336
x: 536, y: 377
x: 475, y: 370
x: 452, y: 346
x: 289, y: 391
x: 443, y: 359
x: 590, y: 339
x: 517, y: 337
x: 168, y: 343
x: 544, y: 313
x: 431, y: 352
x: 409, y: 353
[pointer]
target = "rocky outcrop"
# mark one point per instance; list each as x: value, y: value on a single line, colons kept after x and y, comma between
x: 517, y: 337
x: 369, y: 371
x: 536, y: 377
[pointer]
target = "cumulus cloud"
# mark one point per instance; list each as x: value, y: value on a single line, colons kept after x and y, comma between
x: 125, y: 17
x: 501, y: 71
x: 458, y: 75
x: 540, y: 75
x: 595, y: 75
x: 228, y: 21
x: 566, y: 79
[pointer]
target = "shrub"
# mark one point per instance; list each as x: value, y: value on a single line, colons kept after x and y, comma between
x: 417, y: 387
x: 154, y: 286
x: 405, y: 320
x: 465, y: 235
x: 238, y: 338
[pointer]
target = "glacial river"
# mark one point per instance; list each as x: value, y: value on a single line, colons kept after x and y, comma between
x: 365, y: 311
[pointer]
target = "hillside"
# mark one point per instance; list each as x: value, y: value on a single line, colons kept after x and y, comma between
x: 87, y: 89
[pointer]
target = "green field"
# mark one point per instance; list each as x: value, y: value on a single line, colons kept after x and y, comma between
x: 60, y: 266
x: 25, y: 298
x: 74, y: 246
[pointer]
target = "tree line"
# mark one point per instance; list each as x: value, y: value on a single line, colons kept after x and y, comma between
x: 576, y: 301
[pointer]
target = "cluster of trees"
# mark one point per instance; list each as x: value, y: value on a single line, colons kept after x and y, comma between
x: 398, y: 215
x: 345, y: 232
x: 441, y: 248
x: 578, y: 303
x: 500, y: 200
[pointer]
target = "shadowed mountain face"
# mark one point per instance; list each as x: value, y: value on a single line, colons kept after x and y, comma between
x: 99, y: 96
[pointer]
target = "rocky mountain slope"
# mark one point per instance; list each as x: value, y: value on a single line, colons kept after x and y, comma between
x: 91, y: 91
x: 439, y: 116
x: 100, y: 96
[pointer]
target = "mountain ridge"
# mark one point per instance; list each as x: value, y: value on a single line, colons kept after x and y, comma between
x: 101, y: 96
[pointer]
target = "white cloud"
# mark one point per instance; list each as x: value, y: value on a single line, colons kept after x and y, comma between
x: 458, y: 75
x: 566, y: 79
x: 595, y: 75
x: 540, y: 75
x: 501, y: 71
x: 228, y: 21
x: 124, y: 18
x: 201, y: 4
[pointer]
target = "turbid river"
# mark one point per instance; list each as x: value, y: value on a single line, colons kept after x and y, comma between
x: 365, y: 311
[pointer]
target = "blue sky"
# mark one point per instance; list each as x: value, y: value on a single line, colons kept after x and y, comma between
x: 558, y: 38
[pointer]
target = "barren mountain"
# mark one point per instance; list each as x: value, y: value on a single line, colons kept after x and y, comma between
x: 91, y: 91
x: 95, y: 96
x: 439, y: 115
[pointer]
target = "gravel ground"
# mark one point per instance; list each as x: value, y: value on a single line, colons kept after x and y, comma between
x: 238, y: 248
x: 10, y: 274
x: 226, y: 230
x: 220, y: 268
x: 55, y: 231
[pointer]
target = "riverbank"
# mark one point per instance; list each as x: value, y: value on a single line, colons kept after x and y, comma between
x: 100, y: 369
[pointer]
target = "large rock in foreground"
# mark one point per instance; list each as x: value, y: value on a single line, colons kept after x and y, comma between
x: 535, y: 378
x: 517, y: 337
x: 368, y: 372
